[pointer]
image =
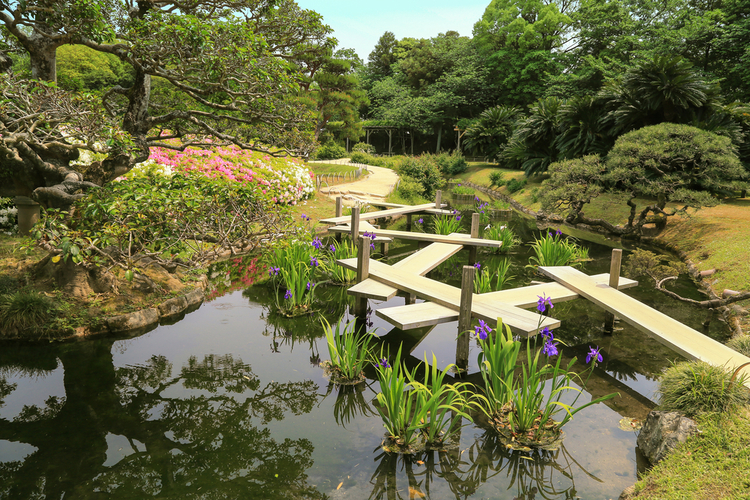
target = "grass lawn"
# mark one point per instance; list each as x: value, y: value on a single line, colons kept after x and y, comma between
x: 331, y: 168
x: 711, y: 465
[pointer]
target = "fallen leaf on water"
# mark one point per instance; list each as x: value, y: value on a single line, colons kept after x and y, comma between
x: 340, y: 485
x: 630, y: 424
x: 415, y: 493
x: 420, y: 462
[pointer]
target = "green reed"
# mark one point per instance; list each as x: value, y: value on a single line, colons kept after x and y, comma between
x: 447, y: 223
x: 488, y: 281
x: 506, y: 235
x: 554, y: 250
x: 349, y: 350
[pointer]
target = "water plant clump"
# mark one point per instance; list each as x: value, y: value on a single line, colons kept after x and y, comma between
x: 292, y: 268
x: 349, y: 351
x: 336, y: 250
x: 489, y: 280
x: 447, y: 223
x: 420, y: 413
x: 521, y: 406
x: 696, y: 387
x: 502, y: 233
x: 554, y: 250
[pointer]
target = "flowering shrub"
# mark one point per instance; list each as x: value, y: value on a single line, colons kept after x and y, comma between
x: 8, y: 216
x: 281, y: 180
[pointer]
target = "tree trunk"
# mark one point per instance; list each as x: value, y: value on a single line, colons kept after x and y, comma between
x: 440, y: 135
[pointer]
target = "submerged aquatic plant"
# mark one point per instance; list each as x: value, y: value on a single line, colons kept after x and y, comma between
x: 349, y: 351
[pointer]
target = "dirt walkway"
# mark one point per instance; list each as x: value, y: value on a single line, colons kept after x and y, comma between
x: 374, y: 187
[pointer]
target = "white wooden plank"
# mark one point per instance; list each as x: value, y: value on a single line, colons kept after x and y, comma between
x: 519, y: 320
x: 420, y: 262
x: 417, y: 315
x: 391, y: 212
x: 405, y: 235
x: 428, y: 313
x: 670, y: 332
x: 528, y: 296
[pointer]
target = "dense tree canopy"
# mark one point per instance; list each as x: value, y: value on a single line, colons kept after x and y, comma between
x: 204, y: 72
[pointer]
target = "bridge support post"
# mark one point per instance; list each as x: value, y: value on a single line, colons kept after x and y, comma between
x: 339, y: 213
x: 363, y: 272
x: 354, y: 225
x: 464, y: 319
x: 474, y: 234
x: 614, y: 279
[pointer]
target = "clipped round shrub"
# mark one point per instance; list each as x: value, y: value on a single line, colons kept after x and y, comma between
x: 740, y: 344
x: 696, y: 387
x: 410, y: 190
x: 424, y: 170
x: 673, y: 162
x: 330, y: 151
x: 451, y: 164
x: 363, y: 147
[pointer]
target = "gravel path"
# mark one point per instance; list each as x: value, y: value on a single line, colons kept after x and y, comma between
x: 374, y: 187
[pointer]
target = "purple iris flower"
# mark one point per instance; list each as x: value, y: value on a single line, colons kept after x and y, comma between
x: 384, y: 363
x: 478, y: 266
x: 305, y: 217
x: 543, y: 302
x: 594, y: 354
x: 317, y: 243
x: 310, y: 286
x: 420, y: 220
x: 274, y: 271
x: 550, y: 348
x: 332, y: 248
x: 314, y: 262
x: 288, y: 294
x: 547, y: 334
x: 483, y: 330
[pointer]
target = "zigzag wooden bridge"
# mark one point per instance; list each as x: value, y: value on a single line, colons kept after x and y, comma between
x: 446, y: 303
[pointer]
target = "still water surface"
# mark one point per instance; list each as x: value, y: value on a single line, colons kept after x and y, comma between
x: 231, y: 403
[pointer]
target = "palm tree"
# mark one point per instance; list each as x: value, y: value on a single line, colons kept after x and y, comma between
x: 581, y: 129
x: 490, y: 133
x: 663, y: 89
x: 532, y: 147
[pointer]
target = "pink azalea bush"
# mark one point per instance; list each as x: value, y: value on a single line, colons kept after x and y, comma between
x: 281, y: 180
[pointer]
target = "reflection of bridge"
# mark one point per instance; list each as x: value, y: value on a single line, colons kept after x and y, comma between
x: 445, y: 303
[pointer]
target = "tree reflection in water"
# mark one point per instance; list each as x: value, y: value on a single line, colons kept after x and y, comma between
x: 532, y: 475
x: 192, y: 435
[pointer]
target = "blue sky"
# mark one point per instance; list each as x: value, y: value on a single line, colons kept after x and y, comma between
x: 358, y: 24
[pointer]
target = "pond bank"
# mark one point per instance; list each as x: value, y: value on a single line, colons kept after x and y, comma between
x: 735, y: 315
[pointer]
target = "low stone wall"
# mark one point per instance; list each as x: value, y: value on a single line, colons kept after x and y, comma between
x: 168, y: 312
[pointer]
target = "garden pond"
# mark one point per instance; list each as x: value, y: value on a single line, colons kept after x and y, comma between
x: 230, y: 402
